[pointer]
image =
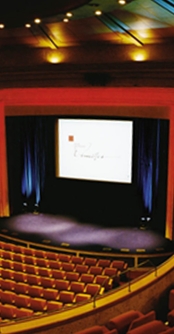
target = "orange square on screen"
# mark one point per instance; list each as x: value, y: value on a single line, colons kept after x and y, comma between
x: 70, y: 138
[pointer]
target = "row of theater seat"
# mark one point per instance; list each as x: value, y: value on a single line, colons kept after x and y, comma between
x: 39, y: 281
x: 51, y: 259
x: 91, y: 270
x: 131, y: 322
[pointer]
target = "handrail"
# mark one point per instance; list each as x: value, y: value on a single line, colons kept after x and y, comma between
x: 123, y: 273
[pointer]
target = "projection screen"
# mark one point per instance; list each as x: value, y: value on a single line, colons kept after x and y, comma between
x: 92, y: 149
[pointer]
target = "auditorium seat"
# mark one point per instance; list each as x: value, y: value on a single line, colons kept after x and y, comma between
x: 87, y: 278
x: 52, y: 256
x: 72, y: 276
x: 16, y: 248
x: 20, y: 277
x: 35, y: 291
x: 39, y: 253
x: 7, y: 284
x: 145, y: 318
x: 3, y: 244
x: 53, y: 305
x: 50, y: 294
x: 23, y: 313
x: 77, y: 287
x: 5, y: 263
x: 114, y: 273
x: 64, y: 257
x: 94, y: 289
x: 41, y: 262
x: 58, y: 274
x: 6, y: 254
x: 21, y: 288
x: 81, y: 268
x: 22, y: 301
x: 27, y: 251
x: 66, y: 297
x: 68, y: 266
x: 18, y: 257
x: 30, y: 269
x: 38, y: 304
x: 122, y: 322
x: 8, y: 311
x: 7, y: 297
x: 46, y: 272
x: 119, y: 264
x: 103, y: 263
x: 154, y: 327
x: 18, y: 266
x: 90, y: 261
x: 7, y: 273
x: 95, y: 270
x: 110, y: 271
x: 62, y: 284
x: 104, y: 281
x: 30, y: 260
x: 82, y: 297
x: 77, y: 259
x: 54, y: 264
x: 47, y: 282
x: 33, y: 279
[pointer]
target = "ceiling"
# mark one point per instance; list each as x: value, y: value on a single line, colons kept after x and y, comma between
x: 137, y: 22
x: 86, y: 40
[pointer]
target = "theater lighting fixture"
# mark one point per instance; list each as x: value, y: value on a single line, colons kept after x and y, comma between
x: 98, y: 12
x: 54, y: 57
x: 27, y: 25
x: 122, y: 2
x: 1, y: 26
x: 69, y: 14
x: 139, y: 55
x: 65, y: 20
x: 37, y: 21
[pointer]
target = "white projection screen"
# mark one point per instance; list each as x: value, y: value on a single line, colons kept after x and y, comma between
x: 91, y: 149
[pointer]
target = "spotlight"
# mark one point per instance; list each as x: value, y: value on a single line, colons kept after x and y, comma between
x: 98, y: 12
x: 37, y: 20
x: 36, y: 208
x: 144, y: 222
x: 24, y: 206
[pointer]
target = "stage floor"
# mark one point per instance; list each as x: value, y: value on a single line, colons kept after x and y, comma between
x: 56, y: 230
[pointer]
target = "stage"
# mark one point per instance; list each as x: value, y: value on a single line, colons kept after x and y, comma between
x: 56, y: 230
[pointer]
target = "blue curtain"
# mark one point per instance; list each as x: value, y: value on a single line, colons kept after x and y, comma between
x: 148, y: 162
x: 34, y: 158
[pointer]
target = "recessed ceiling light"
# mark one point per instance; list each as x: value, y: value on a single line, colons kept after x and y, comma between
x: 27, y: 25
x: 98, y: 12
x: 37, y: 20
x: 2, y: 25
x: 69, y: 14
x: 122, y: 2
x: 65, y: 19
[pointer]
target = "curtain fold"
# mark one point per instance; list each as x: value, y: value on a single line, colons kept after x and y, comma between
x: 148, y: 162
x: 34, y: 151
